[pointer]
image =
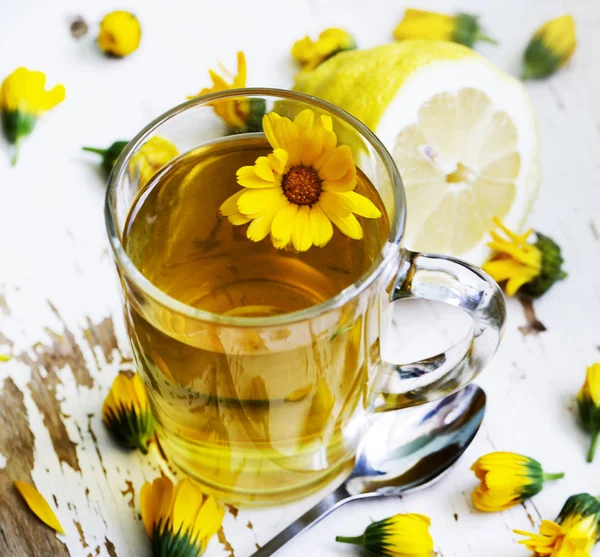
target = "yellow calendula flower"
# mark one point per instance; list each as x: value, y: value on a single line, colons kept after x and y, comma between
x: 295, y: 193
x: 588, y: 402
x: 551, y: 47
x: 150, y: 158
x: 506, y: 480
x: 126, y: 412
x: 432, y: 26
x: 574, y: 534
x: 240, y: 115
x: 180, y: 519
x: 23, y: 100
x: 311, y: 53
x: 401, y: 535
x: 527, y: 268
x: 120, y: 34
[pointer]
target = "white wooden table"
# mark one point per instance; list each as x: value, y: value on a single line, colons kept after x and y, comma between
x: 59, y: 305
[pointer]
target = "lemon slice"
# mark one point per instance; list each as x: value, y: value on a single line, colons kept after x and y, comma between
x: 463, y: 134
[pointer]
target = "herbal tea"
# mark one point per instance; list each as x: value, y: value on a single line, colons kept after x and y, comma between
x: 266, y: 412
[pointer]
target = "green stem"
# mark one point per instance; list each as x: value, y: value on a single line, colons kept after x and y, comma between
x: 529, y: 73
x: 95, y: 150
x: 141, y: 446
x: 592, y: 450
x: 15, y: 156
x: 485, y: 39
x: 549, y: 477
x: 357, y: 540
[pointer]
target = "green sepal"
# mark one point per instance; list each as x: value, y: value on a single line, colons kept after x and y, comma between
x: 131, y: 429
x: 589, y: 414
x: 539, y: 60
x: 468, y: 31
x: 536, y: 475
x: 374, y: 539
x: 17, y: 124
x: 258, y: 107
x: 166, y: 543
x: 109, y: 155
x: 350, y: 46
x: 551, y: 268
x: 581, y: 505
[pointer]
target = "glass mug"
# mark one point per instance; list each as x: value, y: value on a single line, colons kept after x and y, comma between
x: 267, y: 409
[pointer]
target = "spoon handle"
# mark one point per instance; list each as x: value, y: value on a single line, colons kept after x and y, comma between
x: 333, y: 501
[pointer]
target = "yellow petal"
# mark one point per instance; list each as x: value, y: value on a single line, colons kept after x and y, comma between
x: 348, y: 224
x: 209, y: 520
x: 229, y: 206
x: 301, y: 233
x: 55, y: 96
x: 281, y: 228
x: 260, y: 227
x: 288, y: 139
x: 262, y: 168
x: 336, y: 166
x: 336, y: 203
x: 592, y: 382
x: 187, y: 501
x: 155, y: 502
x: 246, y: 176
x: 320, y: 226
x: 256, y: 201
x: 305, y: 119
x: 39, y: 505
x: 362, y: 205
x: 310, y: 148
x: 345, y: 184
x: 269, y: 123
x: 238, y: 219
x: 278, y: 160
x: 240, y: 79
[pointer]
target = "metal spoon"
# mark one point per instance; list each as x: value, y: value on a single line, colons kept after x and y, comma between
x: 402, y: 451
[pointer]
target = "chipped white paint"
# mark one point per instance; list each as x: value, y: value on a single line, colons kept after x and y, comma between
x: 52, y: 246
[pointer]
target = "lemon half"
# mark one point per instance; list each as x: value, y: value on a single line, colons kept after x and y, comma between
x: 463, y: 134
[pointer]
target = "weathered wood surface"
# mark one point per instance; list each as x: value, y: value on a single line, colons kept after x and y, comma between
x: 59, y: 306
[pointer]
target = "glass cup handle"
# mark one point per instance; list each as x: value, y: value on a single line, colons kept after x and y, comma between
x: 444, y: 279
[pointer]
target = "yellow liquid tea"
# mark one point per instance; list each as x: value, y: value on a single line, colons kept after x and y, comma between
x: 257, y: 414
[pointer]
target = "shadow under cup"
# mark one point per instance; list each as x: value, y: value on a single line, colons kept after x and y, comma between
x: 266, y: 409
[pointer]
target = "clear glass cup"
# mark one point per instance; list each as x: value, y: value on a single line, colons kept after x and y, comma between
x: 264, y: 410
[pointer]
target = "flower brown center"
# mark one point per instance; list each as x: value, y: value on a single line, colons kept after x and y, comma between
x: 302, y: 185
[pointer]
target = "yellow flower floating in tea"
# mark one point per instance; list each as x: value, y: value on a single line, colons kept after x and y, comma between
x: 23, y: 99
x: 126, y: 412
x: 120, y: 34
x: 432, y: 26
x: 144, y: 164
x: 38, y: 505
x: 180, y: 519
x: 310, y: 54
x: 551, y: 47
x: 527, y: 268
x: 588, y: 402
x: 574, y: 534
x: 150, y: 158
x: 240, y: 114
x: 401, y: 535
x: 507, y: 479
x: 300, y: 190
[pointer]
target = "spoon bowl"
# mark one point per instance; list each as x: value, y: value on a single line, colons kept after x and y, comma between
x: 401, y: 452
